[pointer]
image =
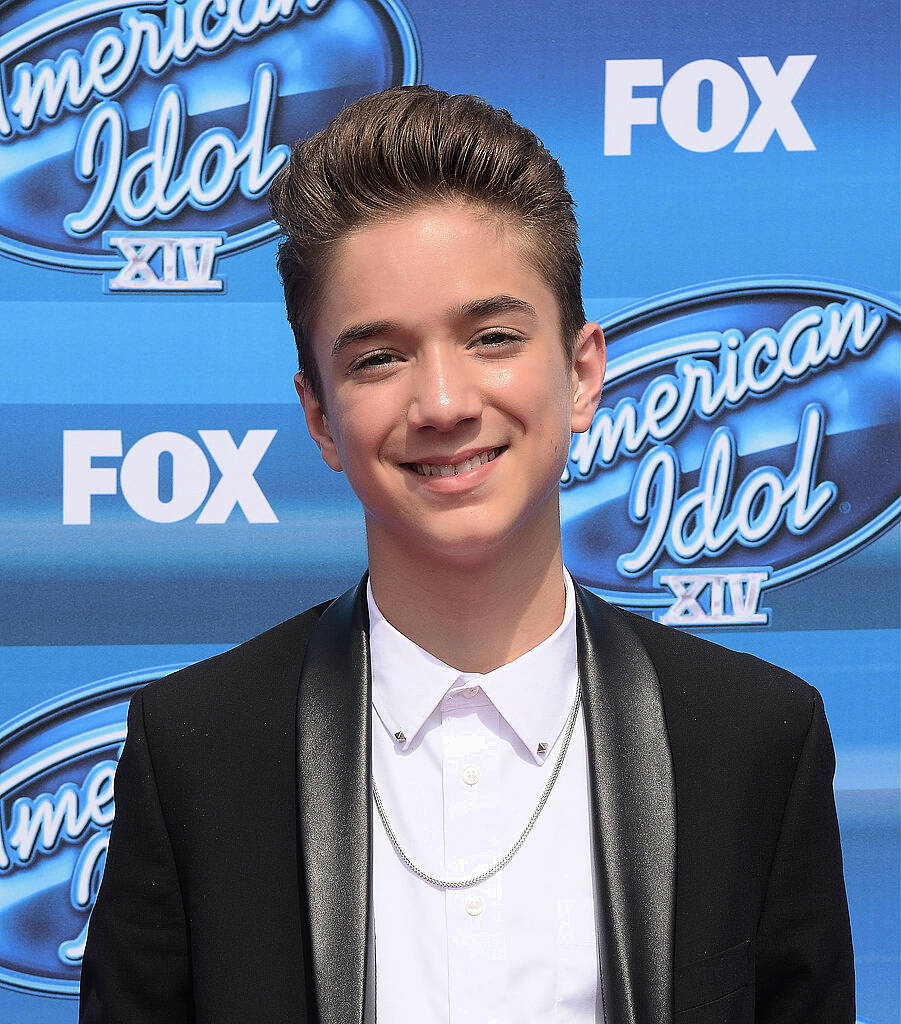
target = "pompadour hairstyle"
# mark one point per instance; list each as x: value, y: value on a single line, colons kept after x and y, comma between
x: 393, y: 151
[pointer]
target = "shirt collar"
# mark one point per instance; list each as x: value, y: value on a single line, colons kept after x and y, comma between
x: 534, y: 693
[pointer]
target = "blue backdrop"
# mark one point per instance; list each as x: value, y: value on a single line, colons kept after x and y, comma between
x: 737, y: 178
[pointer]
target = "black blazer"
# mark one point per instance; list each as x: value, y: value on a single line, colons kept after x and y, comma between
x: 237, y: 882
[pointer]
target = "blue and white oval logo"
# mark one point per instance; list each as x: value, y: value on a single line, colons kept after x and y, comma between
x: 57, y: 764
x: 748, y: 437
x: 148, y: 130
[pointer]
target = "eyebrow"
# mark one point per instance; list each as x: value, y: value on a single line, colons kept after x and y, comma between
x: 496, y: 304
x: 363, y: 332
x: 473, y: 310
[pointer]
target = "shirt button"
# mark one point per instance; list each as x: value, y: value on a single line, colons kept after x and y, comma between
x: 469, y: 691
x: 471, y: 775
x: 474, y: 905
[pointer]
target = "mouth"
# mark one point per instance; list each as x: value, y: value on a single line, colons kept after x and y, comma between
x: 455, y: 468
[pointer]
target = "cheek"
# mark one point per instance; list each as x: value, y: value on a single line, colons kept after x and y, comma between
x: 359, y: 430
x: 547, y: 402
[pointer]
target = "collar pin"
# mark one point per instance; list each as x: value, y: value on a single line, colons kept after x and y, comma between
x: 542, y: 748
x: 399, y: 736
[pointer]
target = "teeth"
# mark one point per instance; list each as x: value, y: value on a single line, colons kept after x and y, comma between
x: 454, y: 469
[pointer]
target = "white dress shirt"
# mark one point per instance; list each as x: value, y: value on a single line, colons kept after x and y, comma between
x: 456, y: 758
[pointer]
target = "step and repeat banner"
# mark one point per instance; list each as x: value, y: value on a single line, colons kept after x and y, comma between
x: 736, y: 170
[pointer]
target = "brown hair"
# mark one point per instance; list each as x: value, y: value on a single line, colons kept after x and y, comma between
x: 408, y: 146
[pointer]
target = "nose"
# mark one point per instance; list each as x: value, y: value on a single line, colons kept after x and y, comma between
x: 445, y: 392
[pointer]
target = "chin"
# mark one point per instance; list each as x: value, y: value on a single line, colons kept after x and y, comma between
x: 470, y: 547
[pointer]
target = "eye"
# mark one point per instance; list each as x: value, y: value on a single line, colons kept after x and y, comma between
x: 498, y: 339
x: 373, y: 360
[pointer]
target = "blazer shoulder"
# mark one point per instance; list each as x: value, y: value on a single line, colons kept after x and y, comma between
x: 727, y: 713
x: 243, y: 677
x: 693, y: 670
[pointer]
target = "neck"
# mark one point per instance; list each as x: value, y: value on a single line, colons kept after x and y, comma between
x: 475, y: 616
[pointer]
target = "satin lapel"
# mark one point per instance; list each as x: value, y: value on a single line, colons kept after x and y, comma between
x: 633, y: 804
x: 333, y: 774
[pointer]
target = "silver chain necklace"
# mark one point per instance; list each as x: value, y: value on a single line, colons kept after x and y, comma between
x: 465, y: 883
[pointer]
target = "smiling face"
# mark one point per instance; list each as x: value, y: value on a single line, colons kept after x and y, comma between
x: 447, y: 396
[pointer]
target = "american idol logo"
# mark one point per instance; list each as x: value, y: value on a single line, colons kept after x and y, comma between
x: 57, y: 764
x: 138, y: 137
x: 748, y: 436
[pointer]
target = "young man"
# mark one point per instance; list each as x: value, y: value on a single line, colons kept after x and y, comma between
x: 466, y: 790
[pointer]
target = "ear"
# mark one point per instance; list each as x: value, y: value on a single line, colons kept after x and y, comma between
x: 317, y: 423
x: 589, y: 364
